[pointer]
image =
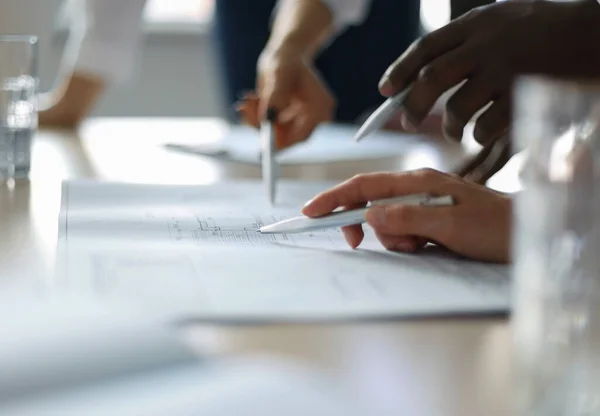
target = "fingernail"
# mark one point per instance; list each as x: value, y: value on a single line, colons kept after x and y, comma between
x: 350, y: 237
x: 385, y: 87
x: 376, y: 216
x: 450, y: 136
x: 407, y: 124
x: 309, y: 202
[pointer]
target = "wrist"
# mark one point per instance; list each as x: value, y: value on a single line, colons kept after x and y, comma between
x: 301, y: 26
x: 291, y: 46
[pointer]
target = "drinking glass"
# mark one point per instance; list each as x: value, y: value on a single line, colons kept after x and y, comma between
x: 18, y: 104
x: 556, y: 309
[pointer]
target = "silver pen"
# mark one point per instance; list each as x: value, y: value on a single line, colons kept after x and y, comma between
x: 269, y: 165
x: 382, y: 115
x: 349, y: 217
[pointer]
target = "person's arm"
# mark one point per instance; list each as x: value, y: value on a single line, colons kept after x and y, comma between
x: 79, y: 97
x: 107, y: 56
x: 307, y: 25
x: 286, y: 79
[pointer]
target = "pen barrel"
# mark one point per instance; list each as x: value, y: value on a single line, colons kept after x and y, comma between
x: 305, y: 224
x: 384, y: 113
x: 269, y: 166
x: 381, y: 116
x: 419, y: 199
x: 351, y: 217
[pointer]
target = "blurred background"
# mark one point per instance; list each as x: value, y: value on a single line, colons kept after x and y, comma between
x: 175, y: 74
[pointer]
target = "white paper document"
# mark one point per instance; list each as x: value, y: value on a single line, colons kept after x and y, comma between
x: 196, y: 253
x: 329, y: 143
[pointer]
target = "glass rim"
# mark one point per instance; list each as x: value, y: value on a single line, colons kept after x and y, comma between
x: 31, y: 39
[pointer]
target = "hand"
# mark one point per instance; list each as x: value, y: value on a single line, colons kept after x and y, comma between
x: 488, y: 47
x: 80, y: 95
x: 477, y: 226
x: 487, y: 162
x: 291, y: 86
x: 57, y: 118
x: 431, y: 126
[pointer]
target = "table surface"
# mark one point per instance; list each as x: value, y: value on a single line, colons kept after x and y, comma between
x: 449, y: 367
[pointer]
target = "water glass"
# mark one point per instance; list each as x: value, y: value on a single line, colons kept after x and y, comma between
x: 18, y: 107
x: 556, y: 310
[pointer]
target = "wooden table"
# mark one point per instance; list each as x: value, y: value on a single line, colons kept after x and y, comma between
x: 449, y: 367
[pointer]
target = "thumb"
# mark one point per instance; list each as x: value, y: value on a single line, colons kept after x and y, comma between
x: 276, y: 92
x: 432, y: 223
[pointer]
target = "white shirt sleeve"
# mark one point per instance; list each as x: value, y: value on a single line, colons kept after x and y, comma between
x: 348, y: 12
x: 110, y: 46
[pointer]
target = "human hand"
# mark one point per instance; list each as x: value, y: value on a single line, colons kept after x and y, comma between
x: 81, y: 93
x: 478, y: 226
x: 431, y: 126
x: 288, y: 84
x: 487, y: 162
x: 488, y: 47
x: 55, y: 118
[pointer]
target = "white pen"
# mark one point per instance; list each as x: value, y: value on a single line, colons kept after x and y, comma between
x: 382, y: 115
x: 349, y: 217
x: 269, y: 165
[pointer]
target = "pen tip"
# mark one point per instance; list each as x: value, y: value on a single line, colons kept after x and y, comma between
x: 360, y: 134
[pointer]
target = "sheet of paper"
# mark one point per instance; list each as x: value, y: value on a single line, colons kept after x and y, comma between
x: 195, y: 253
x: 329, y: 143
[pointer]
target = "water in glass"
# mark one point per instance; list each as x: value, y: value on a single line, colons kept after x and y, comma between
x: 19, y: 124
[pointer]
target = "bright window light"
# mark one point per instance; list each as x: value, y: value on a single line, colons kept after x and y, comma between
x: 179, y: 11
x: 434, y: 14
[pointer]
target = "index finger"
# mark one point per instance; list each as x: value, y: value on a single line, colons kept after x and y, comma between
x: 374, y: 186
x: 421, y: 52
x: 248, y: 110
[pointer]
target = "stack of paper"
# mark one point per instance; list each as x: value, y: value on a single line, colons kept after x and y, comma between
x: 195, y: 253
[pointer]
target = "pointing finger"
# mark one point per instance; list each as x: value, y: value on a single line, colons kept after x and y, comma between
x: 371, y: 187
x: 400, y: 73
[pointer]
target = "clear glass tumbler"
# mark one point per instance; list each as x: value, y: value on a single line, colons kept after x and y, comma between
x: 556, y: 310
x: 18, y: 104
